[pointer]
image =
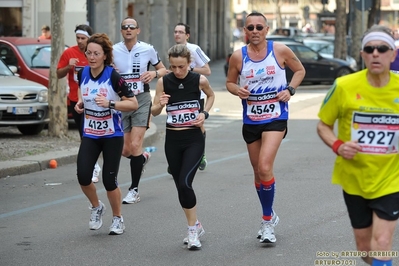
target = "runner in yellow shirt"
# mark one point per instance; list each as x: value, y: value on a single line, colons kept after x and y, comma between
x: 366, y: 105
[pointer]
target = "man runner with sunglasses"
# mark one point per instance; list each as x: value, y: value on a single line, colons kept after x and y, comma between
x: 263, y: 89
x: 366, y: 105
x: 132, y: 59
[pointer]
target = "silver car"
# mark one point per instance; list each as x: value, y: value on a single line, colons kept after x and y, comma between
x: 23, y: 103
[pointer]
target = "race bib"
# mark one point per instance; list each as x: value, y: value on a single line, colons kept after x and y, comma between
x: 376, y: 133
x: 182, y: 114
x: 262, y: 107
x: 134, y: 82
x: 99, y: 123
x: 75, y: 73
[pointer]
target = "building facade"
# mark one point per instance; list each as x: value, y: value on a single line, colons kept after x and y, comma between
x: 209, y: 20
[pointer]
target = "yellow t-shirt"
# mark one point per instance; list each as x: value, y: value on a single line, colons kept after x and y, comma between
x: 371, y: 116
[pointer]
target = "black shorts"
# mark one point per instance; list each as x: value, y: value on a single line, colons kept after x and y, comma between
x: 361, y: 210
x: 252, y: 133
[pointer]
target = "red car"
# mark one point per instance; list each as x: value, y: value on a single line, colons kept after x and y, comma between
x: 31, y: 57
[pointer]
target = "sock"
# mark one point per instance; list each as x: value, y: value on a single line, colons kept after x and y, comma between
x: 257, y: 187
x: 136, y: 167
x: 266, y: 198
x: 192, y: 227
x: 377, y: 262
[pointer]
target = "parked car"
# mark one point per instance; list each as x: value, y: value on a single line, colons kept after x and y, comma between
x: 23, y: 103
x: 31, y: 57
x: 326, y: 49
x: 318, y: 68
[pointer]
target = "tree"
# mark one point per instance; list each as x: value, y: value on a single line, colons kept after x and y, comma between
x: 341, y: 48
x: 374, y: 14
x: 58, y: 126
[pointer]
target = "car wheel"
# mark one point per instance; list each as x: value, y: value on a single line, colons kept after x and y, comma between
x: 31, y: 129
x: 343, y: 71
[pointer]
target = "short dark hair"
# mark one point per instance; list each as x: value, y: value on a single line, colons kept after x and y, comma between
x: 84, y: 27
x: 128, y: 17
x: 46, y: 27
x: 257, y: 14
x: 186, y: 27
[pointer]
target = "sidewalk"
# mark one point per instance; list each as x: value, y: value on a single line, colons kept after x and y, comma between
x: 35, y: 163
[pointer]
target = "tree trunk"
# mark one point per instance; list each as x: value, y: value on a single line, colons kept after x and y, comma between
x: 58, y: 126
x: 374, y: 15
x: 279, y: 18
x: 356, y: 36
x: 341, y: 49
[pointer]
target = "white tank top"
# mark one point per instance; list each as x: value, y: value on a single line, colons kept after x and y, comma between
x: 265, y: 78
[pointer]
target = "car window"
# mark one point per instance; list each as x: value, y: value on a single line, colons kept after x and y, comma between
x: 7, y: 55
x: 36, y: 55
x: 4, y: 70
x: 305, y: 52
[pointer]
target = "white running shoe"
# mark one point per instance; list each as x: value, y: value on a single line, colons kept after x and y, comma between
x: 200, y: 231
x: 267, y: 233
x: 96, y: 217
x: 117, y: 226
x: 132, y: 196
x: 96, y: 173
x: 193, y: 240
x: 274, y: 221
x: 147, y: 157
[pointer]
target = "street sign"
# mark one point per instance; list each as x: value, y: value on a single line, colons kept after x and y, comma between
x: 363, y: 4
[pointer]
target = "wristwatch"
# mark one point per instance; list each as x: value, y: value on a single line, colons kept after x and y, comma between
x: 206, y: 114
x: 112, y: 104
x: 291, y: 90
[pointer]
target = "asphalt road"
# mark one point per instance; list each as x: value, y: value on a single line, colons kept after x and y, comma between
x: 44, y: 215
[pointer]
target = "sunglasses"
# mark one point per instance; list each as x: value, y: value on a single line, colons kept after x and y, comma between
x: 380, y: 48
x: 129, y: 26
x: 252, y: 27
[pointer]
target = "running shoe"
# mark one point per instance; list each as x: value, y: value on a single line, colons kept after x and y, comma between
x: 274, y: 221
x: 147, y: 157
x: 96, y: 216
x: 193, y: 240
x: 117, y: 226
x: 203, y: 163
x: 96, y: 173
x: 132, y: 196
x: 267, y: 233
x: 200, y: 232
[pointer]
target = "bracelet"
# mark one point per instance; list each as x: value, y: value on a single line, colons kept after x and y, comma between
x: 191, y: 69
x: 336, y: 146
x: 156, y: 74
x: 206, y: 114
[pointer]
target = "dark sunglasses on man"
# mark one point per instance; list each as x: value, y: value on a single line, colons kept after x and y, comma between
x: 128, y: 26
x: 380, y: 48
x: 257, y: 27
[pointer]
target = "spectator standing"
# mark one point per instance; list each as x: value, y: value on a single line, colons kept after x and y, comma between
x: 132, y: 59
x: 259, y: 67
x: 46, y: 33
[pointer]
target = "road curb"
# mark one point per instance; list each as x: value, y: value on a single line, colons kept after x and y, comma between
x: 40, y: 162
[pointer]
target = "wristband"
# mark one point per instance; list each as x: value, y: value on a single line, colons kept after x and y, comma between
x: 206, y: 114
x: 336, y: 146
x: 191, y: 69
